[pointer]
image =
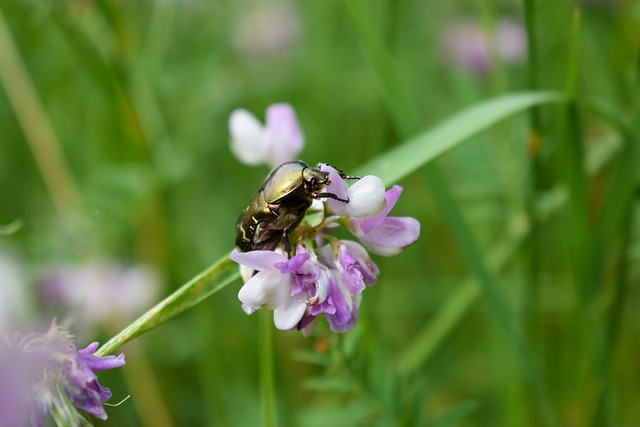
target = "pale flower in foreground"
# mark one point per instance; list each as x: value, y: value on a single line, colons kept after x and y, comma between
x: 45, y: 376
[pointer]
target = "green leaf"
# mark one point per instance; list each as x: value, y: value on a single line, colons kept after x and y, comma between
x: 205, y: 284
x: 400, y: 161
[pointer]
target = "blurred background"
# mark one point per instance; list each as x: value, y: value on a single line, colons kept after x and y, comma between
x: 117, y: 186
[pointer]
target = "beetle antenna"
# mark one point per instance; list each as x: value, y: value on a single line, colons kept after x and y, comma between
x: 341, y: 173
x: 343, y: 176
x: 329, y: 196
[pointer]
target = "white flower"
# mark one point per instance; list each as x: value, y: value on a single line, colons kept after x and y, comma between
x: 366, y: 198
x: 278, y: 141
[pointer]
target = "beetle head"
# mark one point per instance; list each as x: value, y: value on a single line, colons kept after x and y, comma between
x: 315, y: 179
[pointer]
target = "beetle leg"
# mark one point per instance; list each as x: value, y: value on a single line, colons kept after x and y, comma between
x: 328, y: 196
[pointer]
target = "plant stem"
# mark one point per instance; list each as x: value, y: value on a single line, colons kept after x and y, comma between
x: 267, y: 373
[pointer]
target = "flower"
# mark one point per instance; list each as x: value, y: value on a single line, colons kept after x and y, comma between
x: 278, y: 141
x: 45, y: 375
x: 385, y: 235
x: 326, y: 275
x: 470, y: 46
x: 99, y: 292
x: 366, y: 196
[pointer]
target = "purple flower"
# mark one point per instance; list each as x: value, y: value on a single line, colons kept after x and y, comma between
x: 270, y: 287
x: 46, y: 375
x: 278, y: 141
x: 305, y: 286
x: 385, y: 235
x: 326, y: 276
x: 470, y: 46
x: 366, y: 196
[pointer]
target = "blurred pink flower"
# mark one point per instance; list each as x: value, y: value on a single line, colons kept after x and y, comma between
x: 99, y: 292
x: 469, y: 45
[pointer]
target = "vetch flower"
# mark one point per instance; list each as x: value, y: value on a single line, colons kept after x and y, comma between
x: 385, y: 235
x: 469, y: 45
x: 325, y: 275
x: 47, y: 376
x: 270, y: 287
x: 278, y: 141
x: 366, y: 197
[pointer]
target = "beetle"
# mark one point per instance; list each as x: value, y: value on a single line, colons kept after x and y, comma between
x: 280, y: 204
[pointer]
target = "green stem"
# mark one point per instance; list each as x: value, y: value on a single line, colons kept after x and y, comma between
x: 205, y: 284
x: 267, y: 373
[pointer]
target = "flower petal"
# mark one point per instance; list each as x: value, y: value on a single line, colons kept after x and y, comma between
x: 258, y: 260
x: 338, y: 186
x: 247, y: 137
x: 289, y: 314
x: 99, y: 363
x: 368, y: 268
x: 350, y: 273
x: 366, y: 197
x: 266, y: 289
x: 392, y: 197
x: 392, y: 236
x: 284, y: 136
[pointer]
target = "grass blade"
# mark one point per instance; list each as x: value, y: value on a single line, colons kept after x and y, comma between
x: 398, y: 162
x: 205, y: 284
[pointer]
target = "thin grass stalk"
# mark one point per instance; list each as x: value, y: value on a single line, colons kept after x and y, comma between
x: 35, y: 123
x: 407, y: 119
x: 617, y: 220
x: 534, y: 145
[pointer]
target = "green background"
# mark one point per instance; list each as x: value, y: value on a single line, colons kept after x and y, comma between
x: 517, y: 306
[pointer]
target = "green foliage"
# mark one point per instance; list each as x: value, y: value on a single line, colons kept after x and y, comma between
x: 515, y: 307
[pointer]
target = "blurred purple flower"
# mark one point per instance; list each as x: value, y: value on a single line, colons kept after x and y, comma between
x: 327, y: 275
x: 470, y: 46
x: 278, y: 141
x: 99, y: 292
x: 43, y: 375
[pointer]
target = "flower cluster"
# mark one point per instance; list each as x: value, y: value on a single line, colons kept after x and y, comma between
x: 45, y: 375
x: 326, y: 275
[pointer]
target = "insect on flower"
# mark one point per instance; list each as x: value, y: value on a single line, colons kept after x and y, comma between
x: 280, y: 205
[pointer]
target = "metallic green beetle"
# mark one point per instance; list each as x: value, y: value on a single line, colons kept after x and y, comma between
x: 280, y: 205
